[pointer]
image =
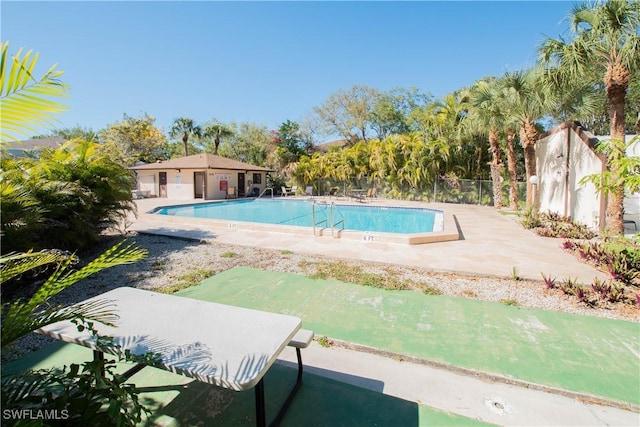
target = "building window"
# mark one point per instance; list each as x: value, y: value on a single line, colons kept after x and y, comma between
x: 257, y: 178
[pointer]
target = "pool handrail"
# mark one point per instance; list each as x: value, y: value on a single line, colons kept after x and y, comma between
x: 265, y: 190
x: 313, y: 218
x: 333, y: 224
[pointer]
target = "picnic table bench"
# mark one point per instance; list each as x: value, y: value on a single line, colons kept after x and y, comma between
x: 223, y: 345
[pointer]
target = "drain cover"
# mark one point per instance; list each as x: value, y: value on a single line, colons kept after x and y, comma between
x: 497, y: 406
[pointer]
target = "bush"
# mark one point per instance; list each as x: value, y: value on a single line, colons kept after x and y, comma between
x: 65, y: 198
x: 554, y: 225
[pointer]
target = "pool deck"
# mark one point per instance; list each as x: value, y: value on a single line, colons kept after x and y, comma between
x: 490, y: 243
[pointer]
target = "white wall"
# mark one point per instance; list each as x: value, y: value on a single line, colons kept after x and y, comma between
x: 550, y: 160
x: 148, y: 183
x: 180, y: 185
x: 583, y: 201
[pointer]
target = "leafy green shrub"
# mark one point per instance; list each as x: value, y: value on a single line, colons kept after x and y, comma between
x: 81, y: 395
x: 530, y: 219
x: 64, y: 198
x: 554, y: 225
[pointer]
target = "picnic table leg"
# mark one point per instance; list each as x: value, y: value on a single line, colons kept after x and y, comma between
x: 292, y: 393
x: 260, y: 410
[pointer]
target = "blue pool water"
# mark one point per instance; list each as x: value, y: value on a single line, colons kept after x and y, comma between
x: 299, y: 213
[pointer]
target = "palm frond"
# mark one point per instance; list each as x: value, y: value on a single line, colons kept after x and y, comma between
x: 20, y: 319
x: 24, y: 99
x: 15, y: 264
x: 29, y: 385
x: 62, y: 278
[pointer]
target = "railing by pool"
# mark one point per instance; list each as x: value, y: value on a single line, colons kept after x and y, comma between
x: 331, y: 220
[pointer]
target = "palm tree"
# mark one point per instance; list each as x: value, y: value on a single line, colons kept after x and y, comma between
x: 486, y: 116
x: 216, y: 131
x: 606, y: 41
x: 184, y: 127
x: 526, y: 101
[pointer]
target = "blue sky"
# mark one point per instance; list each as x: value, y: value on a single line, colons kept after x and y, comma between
x: 267, y: 62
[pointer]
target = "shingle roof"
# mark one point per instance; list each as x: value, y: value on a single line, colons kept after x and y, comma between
x: 200, y: 161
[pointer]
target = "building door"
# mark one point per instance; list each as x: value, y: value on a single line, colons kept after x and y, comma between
x: 198, y: 185
x: 163, y: 183
x: 240, y: 184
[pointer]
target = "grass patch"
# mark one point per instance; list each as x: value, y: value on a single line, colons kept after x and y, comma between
x: 430, y: 290
x: 355, y: 274
x: 228, y: 254
x: 469, y: 293
x: 286, y: 252
x: 186, y: 281
x: 511, y: 302
x: 325, y: 342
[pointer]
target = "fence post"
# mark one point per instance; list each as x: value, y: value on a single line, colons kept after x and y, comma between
x: 435, y: 188
x: 480, y: 192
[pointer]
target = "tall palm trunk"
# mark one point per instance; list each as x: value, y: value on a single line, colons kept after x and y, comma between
x: 185, y: 141
x: 511, y: 166
x: 528, y: 136
x: 617, y: 80
x: 496, y: 168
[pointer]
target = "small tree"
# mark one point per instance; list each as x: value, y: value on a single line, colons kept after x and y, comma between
x: 135, y: 139
x: 184, y: 128
x: 216, y: 131
x: 628, y: 168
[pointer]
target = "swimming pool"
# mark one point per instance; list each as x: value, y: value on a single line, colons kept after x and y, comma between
x: 302, y: 213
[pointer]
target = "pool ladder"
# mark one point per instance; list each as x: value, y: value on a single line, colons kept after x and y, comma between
x: 334, y: 225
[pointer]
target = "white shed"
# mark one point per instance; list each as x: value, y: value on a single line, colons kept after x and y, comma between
x: 565, y: 155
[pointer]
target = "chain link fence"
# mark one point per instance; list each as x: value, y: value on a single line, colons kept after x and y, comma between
x: 445, y: 190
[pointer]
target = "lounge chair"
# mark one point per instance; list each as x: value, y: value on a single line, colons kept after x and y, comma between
x: 291, y: 191
x: 308, y: 191
x: 231, y: 193
x: 357, y: 194
x: 372, y: 192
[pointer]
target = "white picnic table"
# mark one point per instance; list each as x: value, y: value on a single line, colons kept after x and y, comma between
x: 219, y: 344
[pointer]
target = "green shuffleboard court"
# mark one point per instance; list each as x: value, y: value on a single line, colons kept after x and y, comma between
x: 583, y: 354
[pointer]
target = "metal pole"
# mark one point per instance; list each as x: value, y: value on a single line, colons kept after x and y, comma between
x: 260, y: 409
x: 435, y: 188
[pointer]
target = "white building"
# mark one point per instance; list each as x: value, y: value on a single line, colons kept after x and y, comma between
x: 564, y: 156
x: 200, y: 176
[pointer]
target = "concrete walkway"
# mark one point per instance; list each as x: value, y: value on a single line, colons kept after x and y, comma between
x: 491, y: 243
